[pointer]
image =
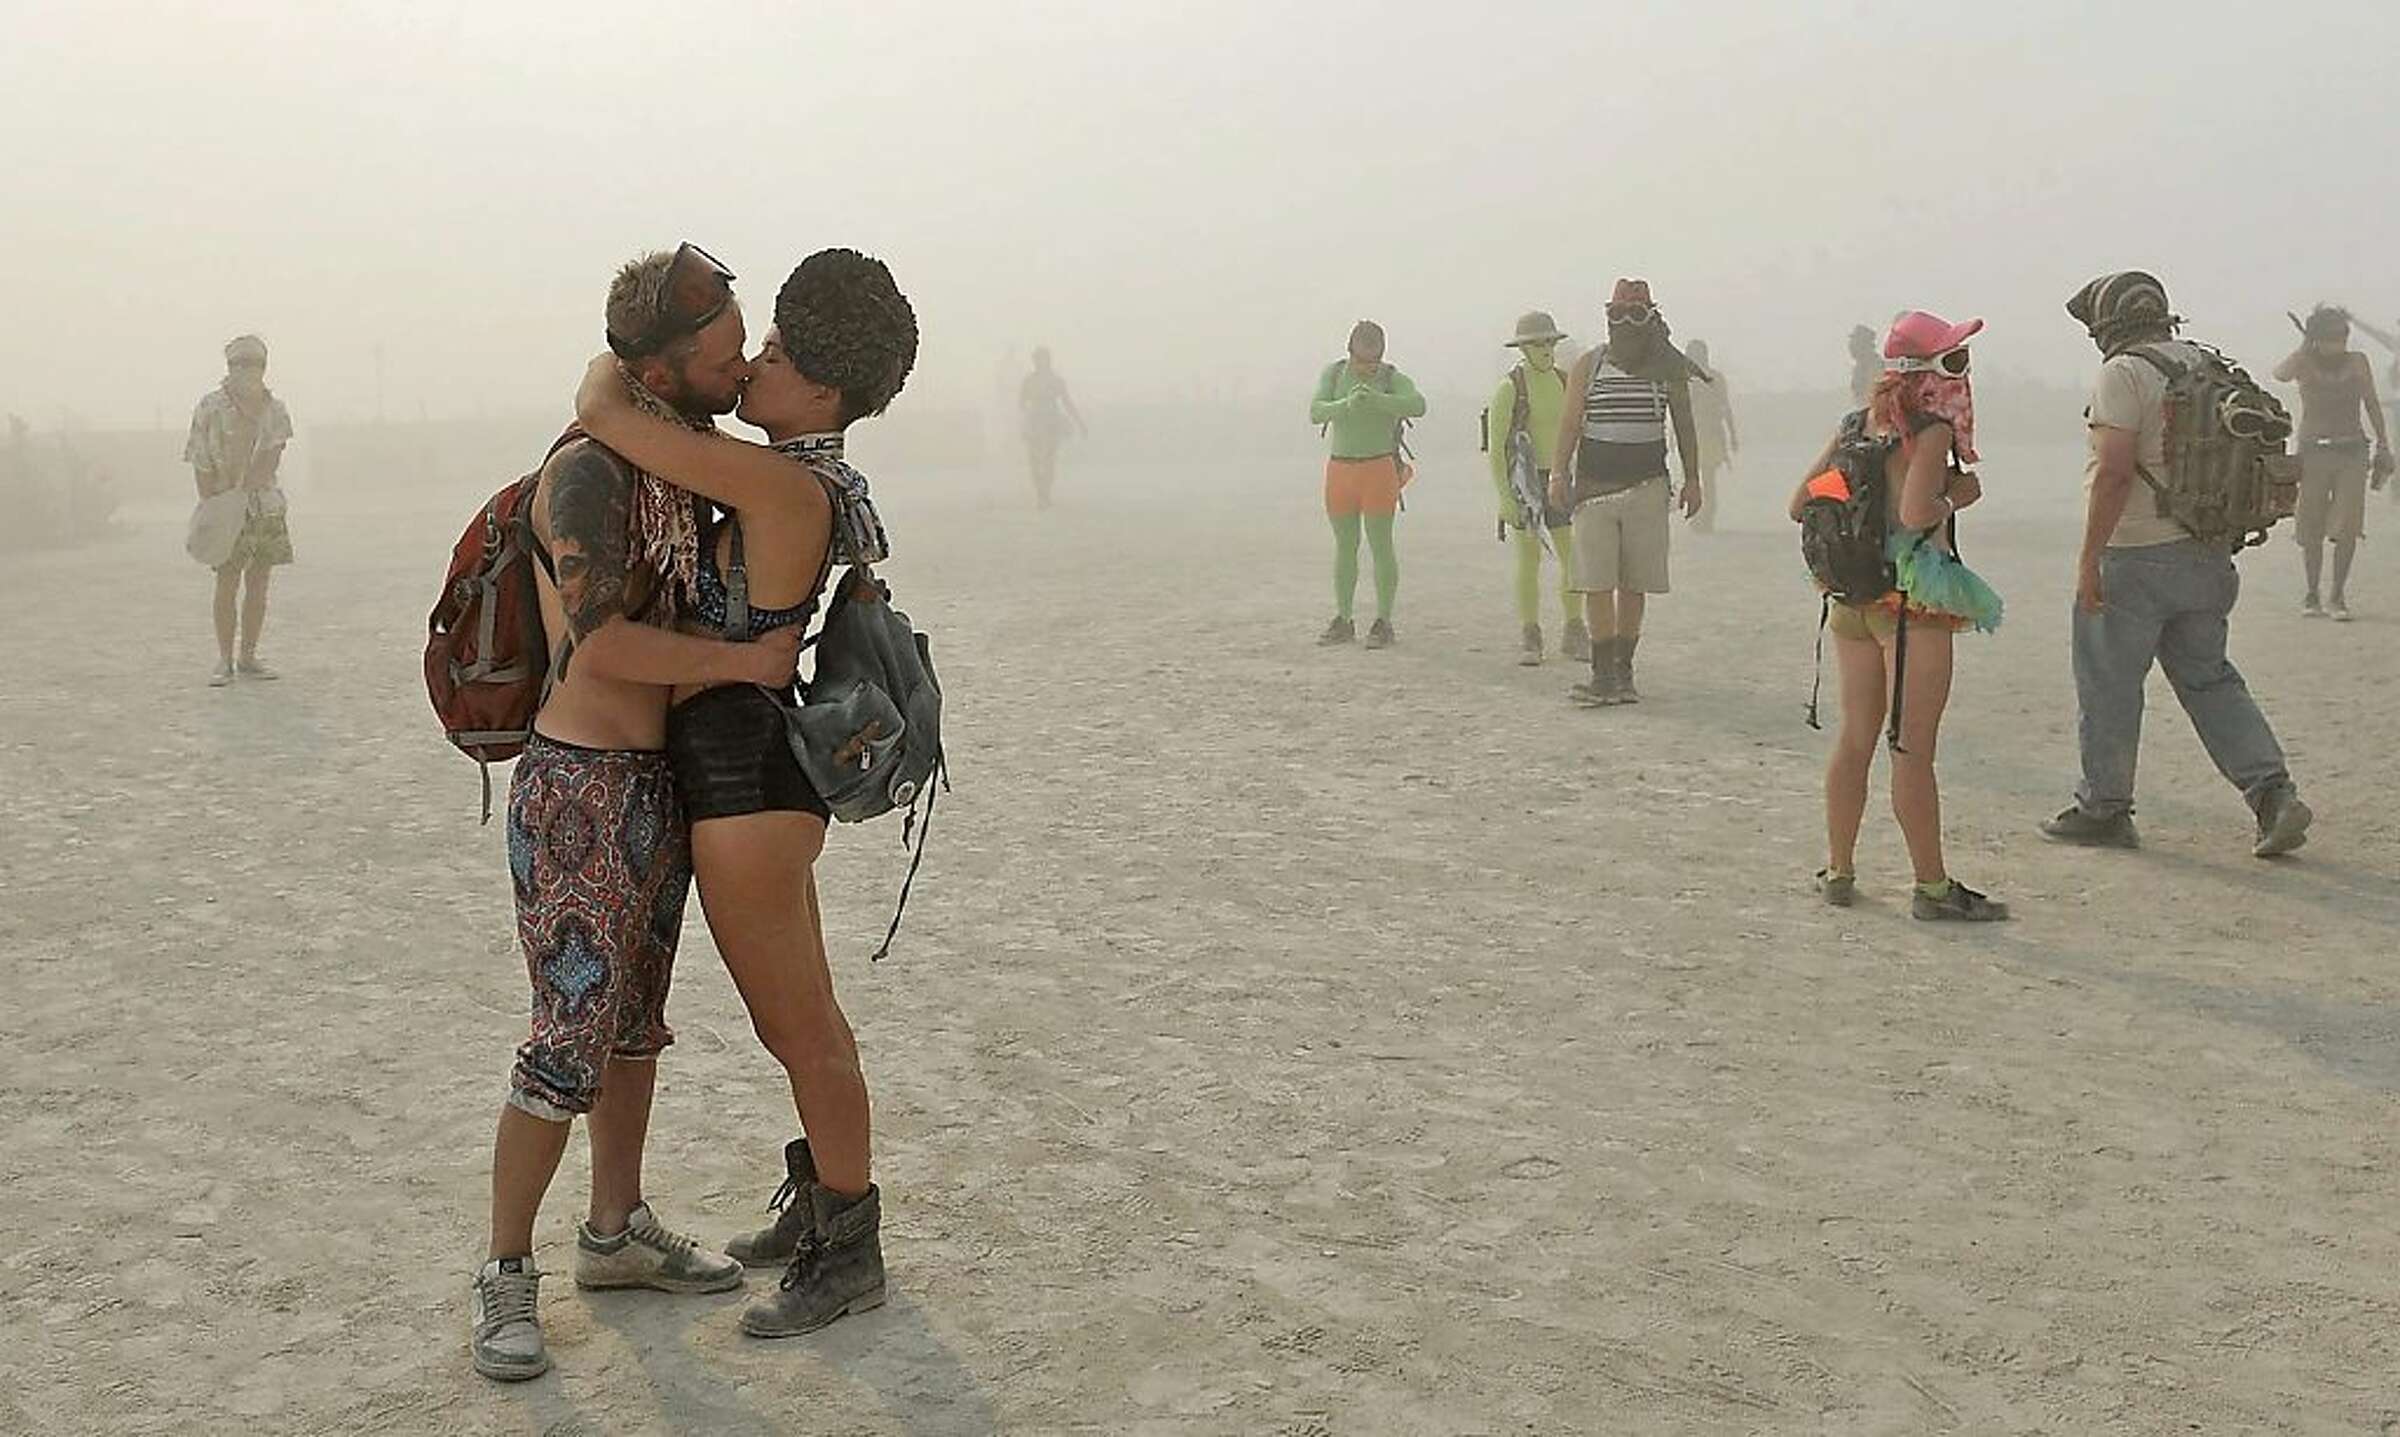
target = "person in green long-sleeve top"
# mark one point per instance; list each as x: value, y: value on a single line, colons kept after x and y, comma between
x: 1364, y: 403
x: 1530, y: 401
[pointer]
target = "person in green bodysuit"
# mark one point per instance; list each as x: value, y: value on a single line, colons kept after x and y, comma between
x: 1530, y: 400
x: 1363, y: 403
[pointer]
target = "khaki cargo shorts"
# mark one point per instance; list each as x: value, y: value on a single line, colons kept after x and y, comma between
x: 2333, y: 492
x: 1621, y: 540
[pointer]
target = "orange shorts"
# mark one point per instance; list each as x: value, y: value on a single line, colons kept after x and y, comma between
x: 1363, y: 486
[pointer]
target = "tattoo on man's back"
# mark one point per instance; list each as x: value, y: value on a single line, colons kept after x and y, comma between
x: 591, y: 533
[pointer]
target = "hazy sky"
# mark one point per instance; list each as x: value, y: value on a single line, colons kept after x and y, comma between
x: 1180, y: 198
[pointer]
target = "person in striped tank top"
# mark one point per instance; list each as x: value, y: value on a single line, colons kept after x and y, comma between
x: 1612, y: 475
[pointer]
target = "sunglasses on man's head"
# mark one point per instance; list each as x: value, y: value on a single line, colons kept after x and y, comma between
x: 1632, y: 313
x: 697, y: 289
x: 1953, y: 362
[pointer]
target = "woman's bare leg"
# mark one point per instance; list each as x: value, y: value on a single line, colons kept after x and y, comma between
x: 254, y: 610
x: 757, y: 877
x: 1858, y: 669
x: 1916, y: 796
x: 229, y: 586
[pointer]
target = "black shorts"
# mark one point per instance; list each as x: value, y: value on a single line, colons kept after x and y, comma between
x: 731, y: 754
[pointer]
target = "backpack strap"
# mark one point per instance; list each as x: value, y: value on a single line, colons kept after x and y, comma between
x: 2173, y: 373
x: 737, y: 586
x: 2149, y: 355
x: 1522, y: 414
x: 1899, y: 673
x: 833, y: 498
x: 1816, y: 685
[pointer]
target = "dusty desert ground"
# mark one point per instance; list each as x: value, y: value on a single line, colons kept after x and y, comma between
x: 1280, y: 1042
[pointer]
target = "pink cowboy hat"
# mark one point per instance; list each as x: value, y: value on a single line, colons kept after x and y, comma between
x: 1918, y: 335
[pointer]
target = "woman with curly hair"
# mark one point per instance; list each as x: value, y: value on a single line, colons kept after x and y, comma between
x: 773, y: 519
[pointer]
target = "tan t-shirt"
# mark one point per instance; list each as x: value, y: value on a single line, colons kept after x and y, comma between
x: 2131, y: 394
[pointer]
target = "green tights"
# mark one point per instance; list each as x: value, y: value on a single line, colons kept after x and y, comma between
x: 1378, y: 529
x: 1529, y: 576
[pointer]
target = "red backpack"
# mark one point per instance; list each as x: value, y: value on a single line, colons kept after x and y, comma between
x: 487, y: 665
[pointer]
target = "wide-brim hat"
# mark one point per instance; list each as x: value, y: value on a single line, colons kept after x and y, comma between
x: 1536, y: 327
x: 1918, y: 335
x: 1631, y: 291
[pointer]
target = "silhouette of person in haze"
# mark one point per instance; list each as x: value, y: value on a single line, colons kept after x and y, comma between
x: 1046, y: 412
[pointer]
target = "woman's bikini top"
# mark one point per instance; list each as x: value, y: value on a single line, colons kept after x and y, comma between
x: 857, y: 537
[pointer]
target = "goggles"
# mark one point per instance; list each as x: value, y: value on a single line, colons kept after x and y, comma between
x: 1633, y: 314
x: 1953, y: 362
x: 698, y: 288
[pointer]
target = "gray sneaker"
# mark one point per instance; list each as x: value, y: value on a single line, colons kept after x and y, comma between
x: 2283, y: 822
x: 221, y: 675
x: 838, y: 1269
x: 1380, y: 635
x: 2085, y: 829
x: 251, y: 668
x: 647, y: 1255
x: 773, y: 1245
x: 506, y: 1336
x: 1530, y: 654
x: 1340, y: 631
x: 1838, y: 889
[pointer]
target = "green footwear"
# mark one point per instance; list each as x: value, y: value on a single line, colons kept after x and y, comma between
x: 1838, y: 889
x: 1957, y: 903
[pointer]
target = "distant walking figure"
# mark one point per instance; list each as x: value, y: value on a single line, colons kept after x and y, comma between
x: 239, y: 431
x: 1046, y: 413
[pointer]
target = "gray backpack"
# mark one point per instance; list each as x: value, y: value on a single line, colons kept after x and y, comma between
x: 2229, y: 477
x: 868, y: 731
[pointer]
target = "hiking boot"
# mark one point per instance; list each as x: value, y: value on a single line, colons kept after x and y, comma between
x: 1960, y: 904
x: 647, y: 1255
x: 1531, y: 656
x: 1839, y: 890
x: 505, y: 1335
x: 1626, y: 692
x: 1380, y: 635
x: 1600, y: 690
x: 221, y: 675
x: 837, y: 1270
x: 773, y: 1245
x: 251, y: 668
x: 2089, y: 830
x: 2340, y: 609
x: 1577, y: 644
x: 2283, y: 822
x: 1340, y: 631
x: 2311, y: 609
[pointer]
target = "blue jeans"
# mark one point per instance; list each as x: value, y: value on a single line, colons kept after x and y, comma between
x: 2169, y: 603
